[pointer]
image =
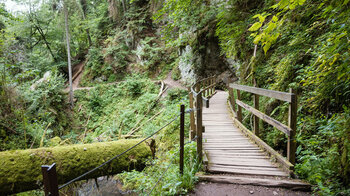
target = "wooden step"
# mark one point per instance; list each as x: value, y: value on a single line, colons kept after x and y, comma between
x: 230, y: 146
x: 234, y: 154
x: 261, y: 172
x: 238, y: 156
x: 296, y: 185
x: 246, y: 167
x: 242, y: 162
x: 235, y: 151
x: 215, y: 143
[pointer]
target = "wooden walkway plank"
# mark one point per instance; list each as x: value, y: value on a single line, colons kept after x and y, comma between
x: 227, y: 149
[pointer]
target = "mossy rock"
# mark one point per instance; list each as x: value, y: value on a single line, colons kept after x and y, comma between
x: 21, y: 169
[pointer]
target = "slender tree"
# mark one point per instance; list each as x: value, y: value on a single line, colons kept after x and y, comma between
x: 65, y: 10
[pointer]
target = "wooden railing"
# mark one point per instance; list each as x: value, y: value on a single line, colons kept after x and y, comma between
x: 289, y: 130
x: 199, y: 94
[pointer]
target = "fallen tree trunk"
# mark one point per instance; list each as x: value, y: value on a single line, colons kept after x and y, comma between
x: 21, y: 169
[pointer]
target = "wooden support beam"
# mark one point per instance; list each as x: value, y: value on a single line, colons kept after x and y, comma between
x: 288, y: 184
x: 239, y: 110
x: 199, y: 125
x: 264, y: 92
x: 192, y: 120
x: 232, y: 99
x: 182, y: 138
x: 256, y: 119
x: 278, y: 125
x: 292, y: 122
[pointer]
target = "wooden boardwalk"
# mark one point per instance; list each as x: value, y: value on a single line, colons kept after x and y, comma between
x: 227, y: 149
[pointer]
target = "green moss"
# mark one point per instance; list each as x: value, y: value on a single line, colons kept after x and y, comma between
x: 20, y: 169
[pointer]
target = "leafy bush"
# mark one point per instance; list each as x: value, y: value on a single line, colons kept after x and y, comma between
x: 329, y: 169
x: 41, y: 113
x: 172, y: 182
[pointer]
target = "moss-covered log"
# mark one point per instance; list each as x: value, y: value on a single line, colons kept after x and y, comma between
x: 20, y: 170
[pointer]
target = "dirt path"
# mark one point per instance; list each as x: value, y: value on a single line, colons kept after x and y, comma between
x: 172, y: 83
x: 222, y: 189
x: 77, y: 73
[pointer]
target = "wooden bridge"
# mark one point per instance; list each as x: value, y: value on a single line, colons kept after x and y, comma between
x: 227, y: 147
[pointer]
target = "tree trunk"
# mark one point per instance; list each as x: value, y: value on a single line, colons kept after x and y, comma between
x: 68, y: 54
x: 21, y: 169
x: 84, y: 10
x: 41, y: 32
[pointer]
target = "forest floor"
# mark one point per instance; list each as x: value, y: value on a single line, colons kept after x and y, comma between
x: 223, y: 189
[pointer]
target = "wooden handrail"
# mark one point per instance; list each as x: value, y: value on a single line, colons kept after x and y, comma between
x: 264, y: 92
x: 200, y: 83
x: 290, y: 97
x: 200, y: 93
x: 278, y: 125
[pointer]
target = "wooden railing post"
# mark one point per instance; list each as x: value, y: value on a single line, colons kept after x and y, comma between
x: 232, y: 100
x: 256, y: 119
x: 214, y: 81
x: 204, y: 84
x: 239, y: 108
x: 292, y: 122
x: 199, y: 123
x: 192, y: 123
x: 206, y: 92
x: 210, y: 89
x: 182, y: 138
x: 50, y: 179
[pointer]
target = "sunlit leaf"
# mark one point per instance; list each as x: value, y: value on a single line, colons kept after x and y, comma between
x: 255, y: 26
x: 257, y: 39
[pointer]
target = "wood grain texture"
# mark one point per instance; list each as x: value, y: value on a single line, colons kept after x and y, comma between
x: 264, y: 92
x: 279, y: 183
x: 278, y: 125
x: 292, y: 122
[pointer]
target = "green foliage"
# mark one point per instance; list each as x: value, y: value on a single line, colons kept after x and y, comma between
x: 231, y: 28
x: 175, y: 94
x: 183, y: 18
x: 150, y: 53
x: 328, y: 169
x: 110, y: 110
x: 34, y: 110
x: 172, y: 182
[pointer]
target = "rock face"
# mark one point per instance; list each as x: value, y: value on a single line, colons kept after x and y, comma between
x: 186, y: 64
x: 203, y: 57
x: 45, y: 78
